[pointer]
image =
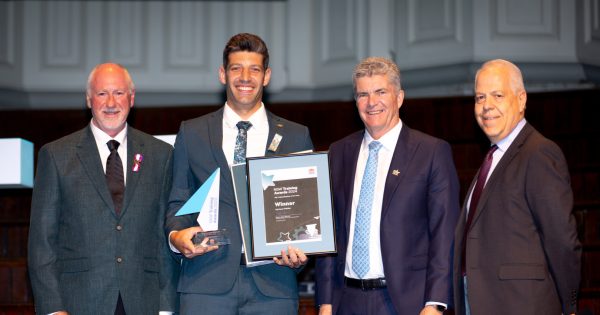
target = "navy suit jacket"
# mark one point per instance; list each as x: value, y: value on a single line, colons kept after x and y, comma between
x: 523, y: 256
x: 198, y: 152
x: 419, y: 213
x: 81, y: 254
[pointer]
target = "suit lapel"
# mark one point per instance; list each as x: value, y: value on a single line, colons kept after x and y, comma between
x: 88, y: 154
x: 215, y: 138
x: 276, y: 127
x: 510, y: 154
x: 134, y: 146
x: 403, y: 152
x: 351, y: 152
x: 463, y: 213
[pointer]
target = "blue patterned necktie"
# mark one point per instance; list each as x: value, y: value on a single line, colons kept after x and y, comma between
x: 362, y: 223
x: 239, y: 154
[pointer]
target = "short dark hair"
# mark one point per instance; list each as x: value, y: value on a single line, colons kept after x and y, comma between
x: 246, y: 42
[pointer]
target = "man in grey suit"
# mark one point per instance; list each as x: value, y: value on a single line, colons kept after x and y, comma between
x: 96, y: 240
x: 516, y: 248
x: 214, y: 280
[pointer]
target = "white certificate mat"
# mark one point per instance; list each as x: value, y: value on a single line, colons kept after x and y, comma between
x: 290, y: 204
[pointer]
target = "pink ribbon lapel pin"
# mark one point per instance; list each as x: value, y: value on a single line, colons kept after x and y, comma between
x: 137, y: 162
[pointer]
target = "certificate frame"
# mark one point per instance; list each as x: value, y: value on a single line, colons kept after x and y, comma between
x: 240, y: 188
x: 290, y: 203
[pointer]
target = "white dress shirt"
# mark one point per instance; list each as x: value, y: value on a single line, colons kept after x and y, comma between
x: 384, y: 159
x: 258, y: 134
x: 102, y: 138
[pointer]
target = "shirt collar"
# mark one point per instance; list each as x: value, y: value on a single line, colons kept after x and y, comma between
x: 258, y: 119
x: 505, y: 143
x: 103, y: 138
x: 388, y: 140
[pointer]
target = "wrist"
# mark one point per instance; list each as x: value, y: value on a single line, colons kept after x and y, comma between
x: 440, y: 308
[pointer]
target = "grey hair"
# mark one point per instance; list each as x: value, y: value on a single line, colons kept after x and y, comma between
x: 377, y: 66
x: 515, y: 75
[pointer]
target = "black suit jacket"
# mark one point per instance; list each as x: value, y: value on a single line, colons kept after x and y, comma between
x: 523, y: 256
x: 81, y: 254
x: 198, y: 152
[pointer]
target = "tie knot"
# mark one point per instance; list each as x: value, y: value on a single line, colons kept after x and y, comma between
x: 375, y: 146
x: 244, y: 125
x: 113, y: 145
x: 491, y: 151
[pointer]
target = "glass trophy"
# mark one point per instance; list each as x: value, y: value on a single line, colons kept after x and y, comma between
x: 216, y: 237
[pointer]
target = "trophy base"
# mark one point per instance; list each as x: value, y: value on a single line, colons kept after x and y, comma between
x: 217, y: 237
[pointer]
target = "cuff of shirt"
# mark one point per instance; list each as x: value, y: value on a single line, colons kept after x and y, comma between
x: 174, y: 250
x: 436, y: 303
x: 165, y: 313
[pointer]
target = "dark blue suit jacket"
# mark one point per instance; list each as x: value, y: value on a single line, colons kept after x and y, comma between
x: 198, y: 152
x: 420, y: 210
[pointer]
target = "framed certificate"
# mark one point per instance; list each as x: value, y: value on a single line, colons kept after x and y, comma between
x: 290, y: 204
x: 240, y: 188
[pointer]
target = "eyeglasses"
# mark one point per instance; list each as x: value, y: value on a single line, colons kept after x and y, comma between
x: 496, y: 96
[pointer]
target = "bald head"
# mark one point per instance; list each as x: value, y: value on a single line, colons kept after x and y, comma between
x: 508, y: 68
x: 109, y: 67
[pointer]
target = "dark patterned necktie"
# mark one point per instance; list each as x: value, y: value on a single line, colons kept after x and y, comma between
x: 114, y: 175
x: 239, y: 154
x: 481, y: 178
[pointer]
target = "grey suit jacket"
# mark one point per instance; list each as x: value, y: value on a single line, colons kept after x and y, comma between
x: 81, y: 254
x: 523, y: 256
x: 198, y: 152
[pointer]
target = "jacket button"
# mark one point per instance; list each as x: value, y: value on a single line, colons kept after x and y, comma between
x: 119, y: 227
x: 119, y: 259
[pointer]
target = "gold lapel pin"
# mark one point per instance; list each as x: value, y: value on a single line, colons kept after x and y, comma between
x: 280, y: 125
x: 395, y: 172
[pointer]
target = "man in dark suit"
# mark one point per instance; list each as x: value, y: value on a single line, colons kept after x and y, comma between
x: 395, y: 192
x: 516, y: 249
x: 213, y: 279
x: 96, y: 241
